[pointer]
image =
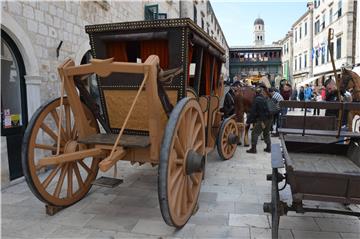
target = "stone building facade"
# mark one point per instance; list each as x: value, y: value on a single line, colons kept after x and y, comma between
x: 302, y: 47
x: 257, y: 60
x: 321, y: 15
x: 45, y: 33
x: 338, y: 15
x: 287, y: 56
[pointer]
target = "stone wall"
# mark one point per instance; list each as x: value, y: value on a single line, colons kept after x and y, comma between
x: 49, y: 23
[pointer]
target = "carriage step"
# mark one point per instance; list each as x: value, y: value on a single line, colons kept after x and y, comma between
x: 107, y: 182
x: 130, y: 141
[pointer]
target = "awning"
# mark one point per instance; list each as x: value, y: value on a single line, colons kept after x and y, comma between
x: 308, y: 81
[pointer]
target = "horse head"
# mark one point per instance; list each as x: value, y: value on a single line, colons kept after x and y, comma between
x: 346, y: 80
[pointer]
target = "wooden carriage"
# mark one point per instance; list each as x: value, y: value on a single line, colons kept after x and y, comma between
x: 317, y: 160
x: 157, y: 101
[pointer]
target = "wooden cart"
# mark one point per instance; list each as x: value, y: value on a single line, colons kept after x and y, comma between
x: 168, y: 118
x: 317, y: 160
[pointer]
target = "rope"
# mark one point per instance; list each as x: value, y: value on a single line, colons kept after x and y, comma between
x: 62, y: 91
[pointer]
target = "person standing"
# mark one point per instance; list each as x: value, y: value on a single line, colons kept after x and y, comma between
x: 276, y: 97
x: 302, y: 95
x: 261, y: 119
x: 308, y: 94
x: 229, y: 101
x: 294, y: 96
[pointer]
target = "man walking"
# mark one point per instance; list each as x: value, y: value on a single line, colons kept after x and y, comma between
x: 276, y: 97
x: 261, y: 119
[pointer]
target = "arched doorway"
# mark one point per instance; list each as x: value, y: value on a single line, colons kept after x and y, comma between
x: 13, y: 102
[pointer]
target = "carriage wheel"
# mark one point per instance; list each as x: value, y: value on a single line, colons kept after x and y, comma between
x: 227, y: 139
x: 182, y: 161
x: 276, y: 207
x: 62, y: 184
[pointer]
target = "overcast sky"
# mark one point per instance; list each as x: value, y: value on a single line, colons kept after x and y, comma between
x: 237, y: 18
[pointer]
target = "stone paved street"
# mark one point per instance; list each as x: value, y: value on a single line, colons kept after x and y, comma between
x: 230, y: 207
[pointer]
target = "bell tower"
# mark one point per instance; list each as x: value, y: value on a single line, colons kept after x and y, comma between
x: 259, y: 32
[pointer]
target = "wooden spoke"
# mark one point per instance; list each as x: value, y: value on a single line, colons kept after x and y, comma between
x: 183, y: 203
x: 189, y: 191
x: 68, y: 121
x: 61, y: 181
x: 74, y: 132
x: 196, y: 132
x: 176, y: 191
x: 175, y: 180
x: 198, y: 145
x: 78, y: 175
x: 70, y: 180
x: 46, y: 147
x: 51, y: 175
x: 178, y: 147
x: 194, y: 179
x: 179, y: 162
x: 55, y: 116
x: 47, y: 130
x: 85, y: 167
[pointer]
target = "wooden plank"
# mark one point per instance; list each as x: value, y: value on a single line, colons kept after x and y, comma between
x: 276, y: 156
x: 131, y: 141
x: 332, y: 133
x: 320, y: 105
x: 324, y: 163
x: 104, y: 68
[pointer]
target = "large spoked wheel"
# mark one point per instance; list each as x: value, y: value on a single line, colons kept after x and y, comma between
x: 182, y: 161
x: 227, y: 139
x: 65, y: 183
x: 275, y: 202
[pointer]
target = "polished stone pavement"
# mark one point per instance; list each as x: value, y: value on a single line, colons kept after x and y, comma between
x: 230, y: 206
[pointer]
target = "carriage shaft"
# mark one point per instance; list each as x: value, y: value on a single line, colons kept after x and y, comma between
x: 69, y: 157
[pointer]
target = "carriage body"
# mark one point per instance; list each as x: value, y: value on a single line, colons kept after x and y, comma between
x: 317, y: 160
x: 144, y: 118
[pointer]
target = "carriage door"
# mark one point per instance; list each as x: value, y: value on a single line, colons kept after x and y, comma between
x: 13, y: 104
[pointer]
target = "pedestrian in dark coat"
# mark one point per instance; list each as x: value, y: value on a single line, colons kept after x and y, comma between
x: 261, y: 119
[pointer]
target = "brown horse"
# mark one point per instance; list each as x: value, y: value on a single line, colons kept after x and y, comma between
x: 244, y: 97
x: 350, y: 81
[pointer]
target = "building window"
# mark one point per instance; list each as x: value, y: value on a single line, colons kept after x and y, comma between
x: 323, y: 22
x: 260, y: 38
x: 151, y: 12
x: 300, y: 62
x: 305, y: 29
x: 295, y: 35
x: 338, y: 48
x: 317, y: 27
x: 195, y: 14
x: 305, y: 59
x: 300, y: 30
x: 339, y: 9
x: 202, y: 23
x: 295, y: 63
x: 330, y: 15
x: 323, y: 55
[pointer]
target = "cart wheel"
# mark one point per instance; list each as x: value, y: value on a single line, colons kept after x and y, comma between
x: 275, y: 202
x: 182, y: 160
x: 228, y: 138
x: 54, y: 185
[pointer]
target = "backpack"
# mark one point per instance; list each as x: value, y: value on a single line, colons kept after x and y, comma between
x: 273, y: 106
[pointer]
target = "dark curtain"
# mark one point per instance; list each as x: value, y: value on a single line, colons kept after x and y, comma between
x: 117, y: 50
x: 206, y: 73
x: 216, y: 76
x: 156, y: 47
